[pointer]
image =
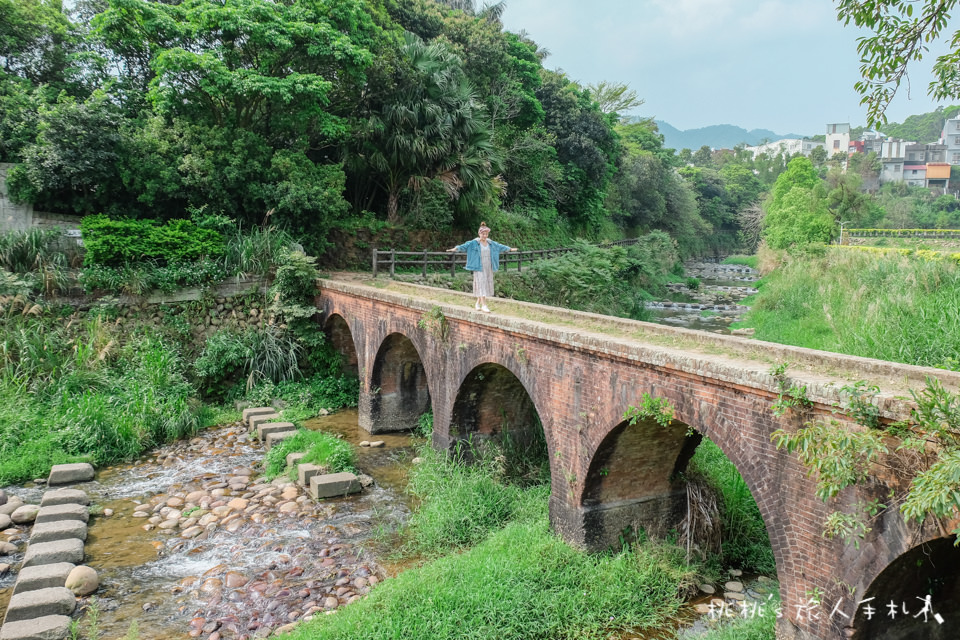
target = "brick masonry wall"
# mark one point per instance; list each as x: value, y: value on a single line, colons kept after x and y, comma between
x: 581, y: 386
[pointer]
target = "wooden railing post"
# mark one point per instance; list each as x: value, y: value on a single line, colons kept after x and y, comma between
x: 519, y: 261
x: 424, y: 263
x: 393, y: 262
x: 453, y: 264
x: 375, y: 262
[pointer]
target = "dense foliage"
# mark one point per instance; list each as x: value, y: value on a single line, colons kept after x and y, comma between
x: 312, y: 113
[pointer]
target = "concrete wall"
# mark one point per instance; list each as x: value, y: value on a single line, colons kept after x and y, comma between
x: 21, y: 217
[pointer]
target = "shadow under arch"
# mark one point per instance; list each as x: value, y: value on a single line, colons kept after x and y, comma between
x: 399, y: 391
x: 493, y: 405
x: 341, y: 338
x: 634, y: 481
x: 929, y: 569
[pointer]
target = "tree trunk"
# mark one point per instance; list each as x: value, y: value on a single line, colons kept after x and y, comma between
x: 392, y: 216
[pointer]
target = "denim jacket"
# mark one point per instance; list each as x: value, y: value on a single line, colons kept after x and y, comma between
x: 472, y: 248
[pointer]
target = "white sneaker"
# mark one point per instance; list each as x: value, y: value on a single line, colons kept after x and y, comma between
x: 485, y: 309
x: 477, y: 306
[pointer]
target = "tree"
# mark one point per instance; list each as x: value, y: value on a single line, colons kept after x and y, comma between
x: 796, y: 211
x: 432, y: 128
x: 614, y: 97
x: 902, y: 33
x: 818, y: 156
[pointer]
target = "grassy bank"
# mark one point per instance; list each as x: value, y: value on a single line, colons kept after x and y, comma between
x: 85, y: 391
x: 891, y: 307
x: 499, y: 571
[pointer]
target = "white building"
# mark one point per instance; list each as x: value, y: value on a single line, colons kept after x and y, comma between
x: 789, y: 146
x: 838, y: 138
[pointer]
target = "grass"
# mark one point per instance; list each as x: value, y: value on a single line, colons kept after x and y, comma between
x: 745, y: 544
x: 756, y: 625
x: 747, y: 261
x: 321, y: 449
x: 889, y: 307
x: 75, y: 392
x: 519, y: 582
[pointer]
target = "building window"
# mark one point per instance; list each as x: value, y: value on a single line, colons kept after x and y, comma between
x: 956, y: 140
x: 911, y: 156
x: 896, y: 167
x: 836, y: 144
x: 913, y: 172
x: 956, y: 158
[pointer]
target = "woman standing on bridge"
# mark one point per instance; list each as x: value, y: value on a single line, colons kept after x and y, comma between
x: 483, y: 258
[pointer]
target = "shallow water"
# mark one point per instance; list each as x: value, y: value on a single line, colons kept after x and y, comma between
x: 272, y: 568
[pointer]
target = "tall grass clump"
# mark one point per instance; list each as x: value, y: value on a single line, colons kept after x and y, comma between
x: 38, y: 258
x: 256, y: 250
x: 85, y: 392
x: 891, y: 307
x: 745, y: 543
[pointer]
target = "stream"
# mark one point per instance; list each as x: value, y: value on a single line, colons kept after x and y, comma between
x: 263, y: 555
x: 714, y: 305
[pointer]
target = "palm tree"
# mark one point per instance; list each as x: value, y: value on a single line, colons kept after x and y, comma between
x: 433, y: 128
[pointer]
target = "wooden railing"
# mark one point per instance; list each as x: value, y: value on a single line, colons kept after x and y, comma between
x: 902, y: 233
x: 389, y: 260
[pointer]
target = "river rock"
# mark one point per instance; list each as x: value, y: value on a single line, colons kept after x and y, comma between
x: 8, y: 549
x: 192, y: 532
x: 5, y: 521
x: 365, y: 480
x: 194, y: 497
x: 13, y: 503
x: 238, y: 503
x: 377, y: 443
x: 25, y: 514
x: 3, y: 497
x: 734, y: 595
x: 82, y: 581
x: 733, y: 586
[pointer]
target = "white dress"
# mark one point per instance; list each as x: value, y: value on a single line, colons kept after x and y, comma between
x: 483, y: 279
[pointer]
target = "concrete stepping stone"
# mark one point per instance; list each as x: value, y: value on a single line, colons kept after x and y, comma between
x: 70, y: 473
x: 256, y: 421
x: 307, y: 471
x: 53, y: 601
x: 43, y: 576
x: 267, y: 428
x: 273, y: 438
x: 295, y: 458
x: 333, y: 484
x: 58, y: 530
x: 64, y: 496
x: 43, y: 628
x: 69, y: 550
x: 256, y: 411
x: 59, y: 512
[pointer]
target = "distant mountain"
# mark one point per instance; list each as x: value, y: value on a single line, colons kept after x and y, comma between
x: 717, y: 136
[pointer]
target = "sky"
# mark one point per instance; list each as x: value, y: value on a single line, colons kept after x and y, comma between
x: 784, y: 65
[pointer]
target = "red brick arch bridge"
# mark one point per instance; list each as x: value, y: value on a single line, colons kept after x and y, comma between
x: 416, y: 347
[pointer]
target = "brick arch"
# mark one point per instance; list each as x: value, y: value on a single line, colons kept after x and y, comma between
x: 490, y: 399
x: 341, y: 337
x: 930, y: 568
x: 633, y: 481
x: 399, y: 390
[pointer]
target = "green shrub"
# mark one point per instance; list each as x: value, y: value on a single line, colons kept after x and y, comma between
x: 230, y: 357
x: 120, y: 242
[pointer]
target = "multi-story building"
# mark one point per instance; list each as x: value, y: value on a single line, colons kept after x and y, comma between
x: 892, y: 154
x: 789, y: 146
x: 950, y: 136
x: 838, y: 138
